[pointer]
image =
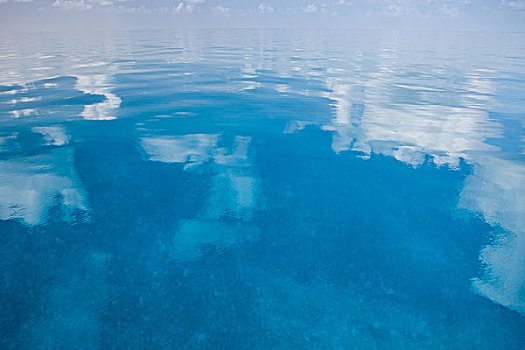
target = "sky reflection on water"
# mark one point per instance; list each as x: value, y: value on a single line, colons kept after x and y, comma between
x: 261, y: 189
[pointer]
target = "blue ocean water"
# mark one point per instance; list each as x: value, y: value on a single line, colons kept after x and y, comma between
x: 262, y: 189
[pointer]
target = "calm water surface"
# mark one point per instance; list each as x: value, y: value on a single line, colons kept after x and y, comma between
x: 262, y: 190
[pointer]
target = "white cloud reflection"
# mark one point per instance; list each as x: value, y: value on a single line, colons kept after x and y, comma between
x: 233, y: 190
x: 98, y: 84
x: 54, y: 135
x: 497, y: 190
x: 409, y: 132
x: 191, y: 149
x: 32, y: 185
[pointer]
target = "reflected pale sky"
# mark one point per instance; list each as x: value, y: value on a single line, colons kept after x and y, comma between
x: 196, y: 124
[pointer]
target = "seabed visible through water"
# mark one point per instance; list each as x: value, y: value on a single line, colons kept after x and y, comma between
x: 262, y: 189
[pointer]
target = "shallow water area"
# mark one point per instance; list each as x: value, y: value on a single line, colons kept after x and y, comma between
x: 257, y: 189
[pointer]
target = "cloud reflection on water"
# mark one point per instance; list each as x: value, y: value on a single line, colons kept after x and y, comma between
x: 233, y: 191
x: 384, y: 101
x: 410, y: 132
x: 32, y: 185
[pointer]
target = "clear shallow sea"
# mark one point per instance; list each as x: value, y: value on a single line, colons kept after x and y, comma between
x: 265, y: 189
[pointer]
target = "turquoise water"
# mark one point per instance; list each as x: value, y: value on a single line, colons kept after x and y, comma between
x: 262, y: 190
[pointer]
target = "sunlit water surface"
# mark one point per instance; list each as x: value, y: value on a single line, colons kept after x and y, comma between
x: 261, y: 190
